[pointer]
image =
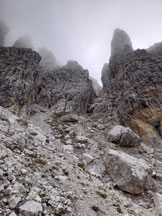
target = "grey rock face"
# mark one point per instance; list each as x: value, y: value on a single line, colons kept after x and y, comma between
x: 133, y: 91
x: 123, y: 136
x: 130, y: 174
x: 25, y: 41
x: 120, y: 43
x: 3, y: 32
x: 18, y: 71
x: 66, y: 89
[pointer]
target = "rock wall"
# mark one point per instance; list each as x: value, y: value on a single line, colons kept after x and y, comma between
x: 21, y: 83
x: 134, y: 85
x: 66, y: 89
x: 18, y: 71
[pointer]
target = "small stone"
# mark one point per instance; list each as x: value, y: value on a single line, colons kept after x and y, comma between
x: 24, y: 171
x: 68, y: 148
x: 67, y: 137
x: 79, y: 145
x: 87, y: 158
x: 68, y: 142
x: 100, y: 127
x: 13, y: 201
x: 69, y: 118
x: 13, y: 214
x: 81, y: 139
x: 18, y: 188
x: 1, y: 162
x: 33, y: 195
x: 61, y: 178
x: 31, y: 208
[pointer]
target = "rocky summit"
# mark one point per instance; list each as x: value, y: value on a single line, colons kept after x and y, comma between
x: 68, y: 147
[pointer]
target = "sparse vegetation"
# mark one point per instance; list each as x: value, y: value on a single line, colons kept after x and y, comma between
x: 65, y: 172
x: 118, y: 208
x: 43, y: 175
x: 95, y: 208
x: 63, y: 211
x: 103, y: 195
x: 59, y: 115
x: 81, y: 165
x: 40, y: 161
x: 69, y: 197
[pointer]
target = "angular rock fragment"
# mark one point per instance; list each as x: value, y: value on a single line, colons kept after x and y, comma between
x: 123, y: 136
x: 13, y: 201
x: 129, y: 173
x: 30, y: 208
x: 69, y: 118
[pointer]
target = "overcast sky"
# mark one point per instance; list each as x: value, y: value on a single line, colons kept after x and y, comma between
x: 82, y: 29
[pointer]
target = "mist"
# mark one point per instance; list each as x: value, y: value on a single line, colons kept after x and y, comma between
x: 82, y: 30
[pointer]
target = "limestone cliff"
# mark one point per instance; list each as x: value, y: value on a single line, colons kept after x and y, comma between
x: 18, y: 71
x: 23, y: 84
x: 134, y: 85
x: 66, y: 89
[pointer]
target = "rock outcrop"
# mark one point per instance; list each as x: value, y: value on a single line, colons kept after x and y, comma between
x: 133, y: 87
x: 66, y: 89
x: 21, y: 83
x: 130, y: 174
x: 18, y: 71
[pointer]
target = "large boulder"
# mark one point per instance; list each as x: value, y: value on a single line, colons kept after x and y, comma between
x: 129, y: 173
x: 123, y: 136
